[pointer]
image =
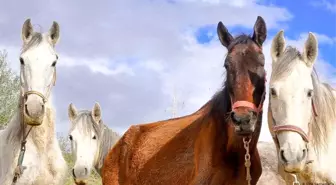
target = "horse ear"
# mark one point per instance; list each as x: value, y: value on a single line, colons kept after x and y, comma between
x: 310, y: 50
x: 96, y: 112
x: 223, y: 34
x: 54, y: 33
x: 278, y: 45
x: 259, y: 31
x: 72, y: 112
x: 27, y: 31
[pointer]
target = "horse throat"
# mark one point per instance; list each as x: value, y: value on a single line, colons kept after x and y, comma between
x: 40, y: 135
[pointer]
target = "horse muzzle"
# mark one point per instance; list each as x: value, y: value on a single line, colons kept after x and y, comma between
x: 33, y: 108
x: 244, y: 121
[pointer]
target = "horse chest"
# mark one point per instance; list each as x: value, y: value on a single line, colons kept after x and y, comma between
x: 36, y: 167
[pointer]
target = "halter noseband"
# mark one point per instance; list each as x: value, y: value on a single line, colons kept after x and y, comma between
x: 251, y: 105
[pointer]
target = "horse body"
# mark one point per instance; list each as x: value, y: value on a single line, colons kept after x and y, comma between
x: 301, y: 116
x: 43, y: 162
x: 181, y: 156
x: 208, y: 146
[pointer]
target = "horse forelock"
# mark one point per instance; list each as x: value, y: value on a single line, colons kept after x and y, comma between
x: 36, y: 39
x: 85, y: 124
x: 285, y: 64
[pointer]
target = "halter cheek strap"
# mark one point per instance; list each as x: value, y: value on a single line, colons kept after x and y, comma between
x: 293, y: 128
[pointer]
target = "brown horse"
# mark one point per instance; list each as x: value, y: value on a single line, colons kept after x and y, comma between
x: 207, y: 146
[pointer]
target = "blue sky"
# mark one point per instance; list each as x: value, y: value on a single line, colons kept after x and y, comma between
x: 308, y: 16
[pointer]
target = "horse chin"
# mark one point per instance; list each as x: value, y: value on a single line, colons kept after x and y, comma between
x: 80, y: 182
x: 32, y: 121
x: 294, y: 168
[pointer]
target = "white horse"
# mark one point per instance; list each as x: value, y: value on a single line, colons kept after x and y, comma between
x: 91, y: 140
x: 302, y: 114
x: 34, y: 121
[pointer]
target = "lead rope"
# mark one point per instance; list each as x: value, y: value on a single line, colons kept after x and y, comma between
x: 19, y: 168
x: 296, y: 182
x: 247, y: 160
x: 247, y: 142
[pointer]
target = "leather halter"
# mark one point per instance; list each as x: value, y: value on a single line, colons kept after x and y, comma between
x: 293, y: 128
x: 19, y: 168
x: 251, y: 105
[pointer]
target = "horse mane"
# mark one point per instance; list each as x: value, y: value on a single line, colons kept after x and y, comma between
x: 323, y: 98
x: 106, y: 137
x: 324, y: 101
x: 109, y: 139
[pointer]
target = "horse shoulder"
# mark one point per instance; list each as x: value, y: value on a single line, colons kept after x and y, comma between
x: 117, y: 161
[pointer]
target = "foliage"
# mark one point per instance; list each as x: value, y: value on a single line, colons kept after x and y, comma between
x: 65, y: 147
x: 9, y: 90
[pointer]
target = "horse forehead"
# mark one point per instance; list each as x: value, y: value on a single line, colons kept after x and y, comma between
x: 245, y: 55
x: 40, y: 52
x: 245, y: 49
x: 297, y: 80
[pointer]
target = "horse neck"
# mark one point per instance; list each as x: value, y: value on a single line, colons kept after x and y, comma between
x: 108, y: 139
x: 227, y: 150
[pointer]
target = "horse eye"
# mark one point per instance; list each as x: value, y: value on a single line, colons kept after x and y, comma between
x: 94, y: 137
x: 273, y: 92
x: 310, y: 93
x: 21, y: 61
x: 53, y: 64
x: 226, y: 65
x: 70, y: 137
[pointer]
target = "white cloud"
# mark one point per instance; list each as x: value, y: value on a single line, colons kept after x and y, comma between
x: 330, y: 6
x: 134, y: 57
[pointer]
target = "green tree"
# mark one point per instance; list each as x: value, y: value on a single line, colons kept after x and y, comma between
x: 9, y: 90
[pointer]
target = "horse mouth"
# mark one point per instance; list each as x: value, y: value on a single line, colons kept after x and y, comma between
x: 243, y: 132
x: 80, y: 182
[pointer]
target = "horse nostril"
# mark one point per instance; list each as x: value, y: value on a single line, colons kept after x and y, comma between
x: 26, y: 109
x: 282, y: 155
x: 73, y: 173
x: 234, y: 118
x: 304, y: 151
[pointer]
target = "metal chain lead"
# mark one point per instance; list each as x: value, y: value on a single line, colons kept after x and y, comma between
x: 247, y: 160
